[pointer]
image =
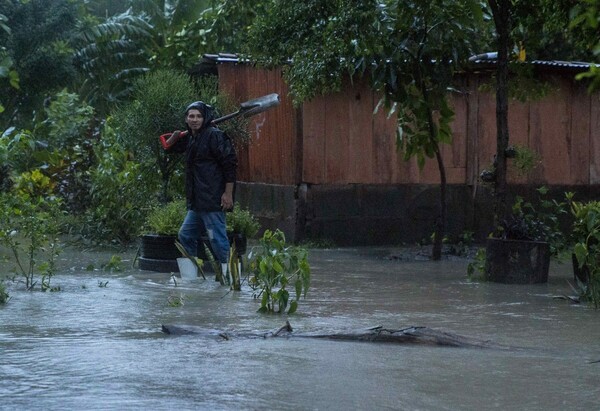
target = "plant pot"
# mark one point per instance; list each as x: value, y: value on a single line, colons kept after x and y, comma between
x: 517, y: 261
x: 160, y: 247
x: 187, y: 268
x: 158, y: 253
x: 158, y: 265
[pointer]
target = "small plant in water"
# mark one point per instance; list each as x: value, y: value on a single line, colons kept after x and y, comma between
x: 175, y: 300
x: 476, y: 268
x: 275, y: 266
x: 29, y: 228
x: 4, y: 297
x: 114, y: 265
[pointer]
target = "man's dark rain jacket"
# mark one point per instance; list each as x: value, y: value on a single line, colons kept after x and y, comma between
x: 210, y: 162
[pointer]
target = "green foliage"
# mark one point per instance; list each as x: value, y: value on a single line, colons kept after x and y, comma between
x: 176, y: 300
x: 4, y: 296
x: 224, y: 26
x: 531, y: 223
x: 275, y: 266
x: 6, y: 64
x: 524, y: 84
x: 241, y: 221
x: 41, y: 57
x: 29, y: 227
x: 325, y: 40
x: 525, y: 159
x: 476, y: 268
x: 69, y: 134
x: 159, y: 101
x: 543, y: 28
x: 118, y: 195
x: 113, y: 265
x: 69, y: 121
x: 166, y: 219
x: 586, y: 235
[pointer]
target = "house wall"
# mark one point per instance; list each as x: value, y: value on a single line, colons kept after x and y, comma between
x: 330, y: 169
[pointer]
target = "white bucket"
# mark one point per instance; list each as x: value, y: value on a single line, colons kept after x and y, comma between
x: 187, y: 268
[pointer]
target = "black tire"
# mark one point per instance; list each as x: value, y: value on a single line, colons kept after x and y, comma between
x: 158, y: 265
x: 159, y: 247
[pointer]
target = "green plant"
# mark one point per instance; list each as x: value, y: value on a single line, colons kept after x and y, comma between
x: 114, y: 264
x: 176, y: 300
x: 275, y: 266
x: 119, y: 194
x: 29, y: 228
x: 531, y: 223
x: 241, y: 221
x: 477, y: 266
x: 166, y: 219
x: 586, y: 235
x: 4, y: 297
x: 525, y: 159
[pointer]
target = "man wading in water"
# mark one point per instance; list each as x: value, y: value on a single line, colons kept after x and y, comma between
x: 210, y: 174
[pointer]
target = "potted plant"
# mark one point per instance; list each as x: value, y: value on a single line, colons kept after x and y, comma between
x: 241, y: 225
x: 158, y: 250
x: 519, y: 250
x: 586, y: 251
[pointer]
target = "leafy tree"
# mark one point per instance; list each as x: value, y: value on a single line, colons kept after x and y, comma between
x: 542, y: 28
x: 40, y: 47
x: 409, y: 50
x: 226, y: 23
x: 159, y: 99
x: 587, y: 14
x: 6, y: 64
x: 150, y: 34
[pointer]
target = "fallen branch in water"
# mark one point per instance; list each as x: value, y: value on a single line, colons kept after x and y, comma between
x: 409, y: 335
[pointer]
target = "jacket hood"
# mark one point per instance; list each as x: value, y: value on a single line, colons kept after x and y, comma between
x: 207, y: 111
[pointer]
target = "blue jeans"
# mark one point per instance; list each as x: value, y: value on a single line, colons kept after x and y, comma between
x: 214, y: 221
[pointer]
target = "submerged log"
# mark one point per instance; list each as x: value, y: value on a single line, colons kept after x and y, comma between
x: 409, y: 335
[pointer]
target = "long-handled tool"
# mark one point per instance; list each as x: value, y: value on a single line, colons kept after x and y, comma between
x: 252, y: 107
x: 247, y: 109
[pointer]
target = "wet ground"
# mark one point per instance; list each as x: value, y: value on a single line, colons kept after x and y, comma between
x: 97, y: 344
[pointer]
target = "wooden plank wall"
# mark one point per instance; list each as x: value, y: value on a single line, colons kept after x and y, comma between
x: 336, y: 139
x: 272, y: 156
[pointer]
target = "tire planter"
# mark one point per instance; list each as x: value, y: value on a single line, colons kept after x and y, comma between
x: 517, y: 261
x: 158, y: 265
x: 159, y: 253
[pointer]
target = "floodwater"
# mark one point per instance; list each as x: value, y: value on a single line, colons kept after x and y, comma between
x: 97, y: 344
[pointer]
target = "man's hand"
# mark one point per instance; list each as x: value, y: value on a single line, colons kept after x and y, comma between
x: 227, y: 197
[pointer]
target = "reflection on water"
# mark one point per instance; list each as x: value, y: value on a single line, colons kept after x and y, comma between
x: 95, y: 347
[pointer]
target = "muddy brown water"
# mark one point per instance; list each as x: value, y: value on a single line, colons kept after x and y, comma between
x: 99, y: 346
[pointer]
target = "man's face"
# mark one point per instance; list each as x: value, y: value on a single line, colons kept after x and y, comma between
x: 194, y: 119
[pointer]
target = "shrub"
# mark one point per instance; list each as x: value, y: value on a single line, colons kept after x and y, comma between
x: 166, y: 219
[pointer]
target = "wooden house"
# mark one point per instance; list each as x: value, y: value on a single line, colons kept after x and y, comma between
x: 329, y: 169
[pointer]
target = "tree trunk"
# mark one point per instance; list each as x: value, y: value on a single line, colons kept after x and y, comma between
x: 409, y: 335
x: 501, y: 10
x: 440, y: 222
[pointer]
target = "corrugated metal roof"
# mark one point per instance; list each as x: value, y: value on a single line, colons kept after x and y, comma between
x: 568, y: 65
